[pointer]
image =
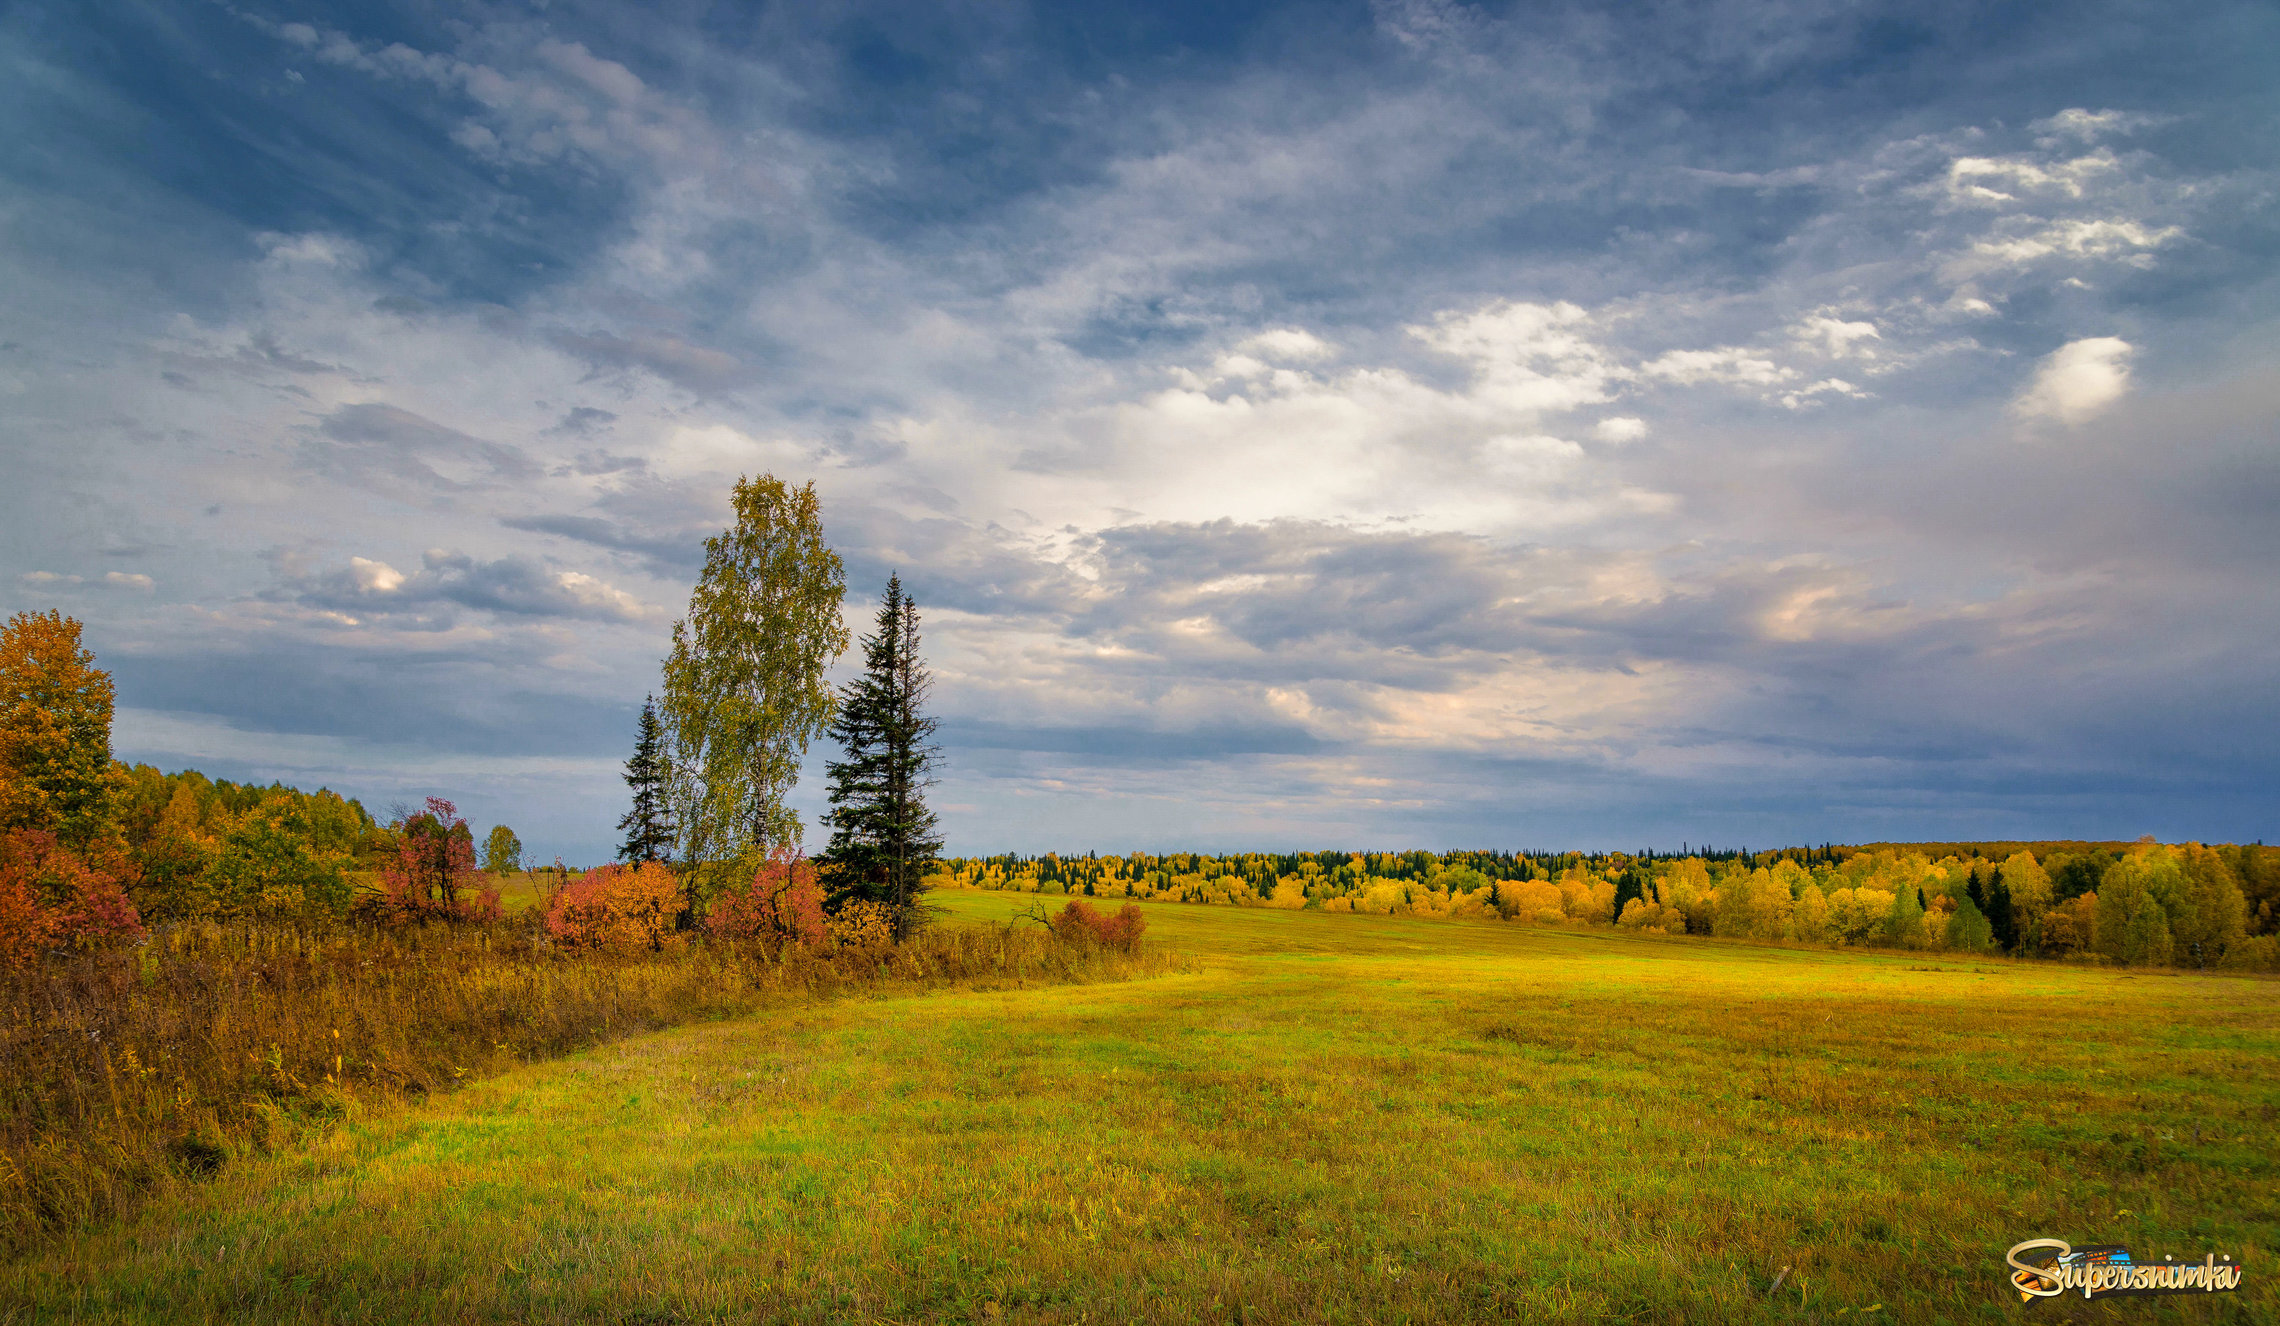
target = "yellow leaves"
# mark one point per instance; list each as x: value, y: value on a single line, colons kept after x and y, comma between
x: 1535, y: 900
x: 863, y: 924
x: 55, y: 732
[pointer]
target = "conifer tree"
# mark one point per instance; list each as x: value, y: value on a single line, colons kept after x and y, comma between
x: 882, y: 834
x: 2002, y: 913
x: 648, y: 827
x: 1626, y: 888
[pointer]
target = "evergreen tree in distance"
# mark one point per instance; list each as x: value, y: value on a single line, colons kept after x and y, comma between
x: 882, y: 834
x: 648, y: 827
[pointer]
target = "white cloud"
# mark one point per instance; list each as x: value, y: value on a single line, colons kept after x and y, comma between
x: 2078, y: 381
x: 2087, y: 125
x: 602, y: 597
x: 1619, y: 429
x: 375, y: 577
x: 1288, y: 345
x: 1729, y: 364
x: 2007, y: 177
x: 1528, y: 357
x: 2100, y: 238
x: 1803, y: 396
x: 129, y: 580
x: 1836, y: 337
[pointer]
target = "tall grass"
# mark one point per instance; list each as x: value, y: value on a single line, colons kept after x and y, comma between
x: 128, y: 1072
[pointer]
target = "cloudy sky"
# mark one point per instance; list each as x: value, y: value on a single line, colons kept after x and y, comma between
x: 1325, y: 425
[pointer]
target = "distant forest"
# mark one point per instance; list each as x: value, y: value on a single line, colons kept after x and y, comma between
x: 2141, y: 903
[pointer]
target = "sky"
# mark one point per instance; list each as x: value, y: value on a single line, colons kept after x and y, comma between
x: 1301, y: 426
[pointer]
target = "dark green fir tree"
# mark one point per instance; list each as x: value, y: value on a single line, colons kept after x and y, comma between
x: 648, y: 827
x: 883, y: 837
x: 1626, y: 889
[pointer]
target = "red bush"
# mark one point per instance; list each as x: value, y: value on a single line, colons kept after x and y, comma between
x: 50, y: 898
x: 783, y: 904
x: 434, y: 865
x: 1080, y: 922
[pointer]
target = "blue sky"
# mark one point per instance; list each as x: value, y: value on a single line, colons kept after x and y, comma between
x: 1370, y: 425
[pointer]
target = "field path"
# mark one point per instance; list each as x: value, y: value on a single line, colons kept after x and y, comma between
x: 1332, y: 1118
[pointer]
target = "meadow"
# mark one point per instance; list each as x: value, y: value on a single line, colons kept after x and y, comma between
x: 1309, y: 1118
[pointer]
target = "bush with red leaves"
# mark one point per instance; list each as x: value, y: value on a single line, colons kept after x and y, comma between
x: 1081, y: 923
x: 782, y: 905
x: 50, y: 898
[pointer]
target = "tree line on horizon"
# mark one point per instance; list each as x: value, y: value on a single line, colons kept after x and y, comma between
x: 2140, y: 903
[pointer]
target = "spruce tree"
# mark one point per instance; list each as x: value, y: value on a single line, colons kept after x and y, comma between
x: 648, y: 827
x: 2002, y: 915
x: 882, y: 834
x: 1626, y: 888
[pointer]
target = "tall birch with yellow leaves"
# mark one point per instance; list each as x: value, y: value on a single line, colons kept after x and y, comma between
x: 744, y: 685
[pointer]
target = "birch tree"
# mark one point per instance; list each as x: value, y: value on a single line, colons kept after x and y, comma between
x: 744, y: 685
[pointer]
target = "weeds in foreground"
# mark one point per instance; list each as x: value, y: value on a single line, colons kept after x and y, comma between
x: 128, y: 1072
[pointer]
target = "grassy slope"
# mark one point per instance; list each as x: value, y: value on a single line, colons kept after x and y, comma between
x: 1336, y: 1118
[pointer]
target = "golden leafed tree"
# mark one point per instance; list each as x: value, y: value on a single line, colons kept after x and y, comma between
x: 55, y: 733
x: 744, y: 685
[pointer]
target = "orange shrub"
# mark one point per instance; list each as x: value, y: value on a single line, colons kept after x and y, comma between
x: 619, y: 907
x: 1080, y: 922
x: 50, y: 898
x: 863, y: 923
x: 783, y: 904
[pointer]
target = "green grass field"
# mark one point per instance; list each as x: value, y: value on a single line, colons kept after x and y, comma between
x: 1324, y: 1118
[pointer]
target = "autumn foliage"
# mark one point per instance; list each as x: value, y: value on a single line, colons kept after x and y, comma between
x: 782, y: 905
x: 55, y: 732
x: 50, y: 898
x: 63, y: 865
x: 2133, y: 904
x: 622, y: 908
x: 1082, y: 923
x: 433, y: 877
